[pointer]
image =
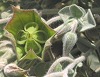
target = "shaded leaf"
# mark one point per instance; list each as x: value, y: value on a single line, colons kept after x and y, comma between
x: 41, y: 68
x: 93, y: 61
x: 83, y: 44
x: 93, y: 34
x: 46, y: 53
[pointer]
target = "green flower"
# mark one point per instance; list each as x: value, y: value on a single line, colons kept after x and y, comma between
x: 29, y: 31
x: 32, y: 37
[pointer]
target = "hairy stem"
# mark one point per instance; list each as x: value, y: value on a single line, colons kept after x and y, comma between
x: 55, y: 74
x: 57, y: 62
x: 54, y: 19
x: 76, y: 61
x: 5, y: 20
x: 74, y: 25
x: 64, y: 73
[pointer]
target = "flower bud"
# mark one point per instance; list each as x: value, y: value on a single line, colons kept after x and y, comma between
x: 12, y: 70
x: 69, y: 40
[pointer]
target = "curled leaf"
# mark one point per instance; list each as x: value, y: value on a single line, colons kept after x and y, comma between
x: 85, y: 20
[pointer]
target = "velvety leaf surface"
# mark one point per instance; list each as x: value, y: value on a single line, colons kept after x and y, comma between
x: 76, y: 11
x: 85, y: 20
x: 65, y: 13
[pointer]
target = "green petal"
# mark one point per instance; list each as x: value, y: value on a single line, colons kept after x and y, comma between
x: 21, y: 42
x: 30, y: 55
x: 20, y: 51
x: 40, y: 36
x: 22, y: 17
x: 32, y: 44
x: 21, y: 37
x: 31, y: 27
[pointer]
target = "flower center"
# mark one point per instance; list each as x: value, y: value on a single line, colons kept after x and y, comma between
x: 32, y: 37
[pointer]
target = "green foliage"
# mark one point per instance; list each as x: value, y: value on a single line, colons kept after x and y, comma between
x: 34, y: 40
x: 40, y: 69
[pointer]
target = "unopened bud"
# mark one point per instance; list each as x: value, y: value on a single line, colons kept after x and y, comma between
x: 12, y: 70
x: 69, y: 40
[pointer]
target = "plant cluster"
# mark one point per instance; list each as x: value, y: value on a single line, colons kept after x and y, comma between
x: 27, y: 42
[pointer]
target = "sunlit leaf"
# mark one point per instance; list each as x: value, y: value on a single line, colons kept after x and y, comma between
x: 87, y: 22
x: 65, y: 13
x: 31, y: 55
x: 71, y: 12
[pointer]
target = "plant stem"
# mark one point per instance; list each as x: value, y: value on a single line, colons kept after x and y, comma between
x: 57, y: 62
x: 58, y: 28
x: 54, y: 19
x: 5, y: 20
x: 74, y: 25
x: 76, y: 61
x: 64, y: 73
x: 55, y: 74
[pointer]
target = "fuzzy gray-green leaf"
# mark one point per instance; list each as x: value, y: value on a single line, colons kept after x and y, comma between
x: 69, y: 40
